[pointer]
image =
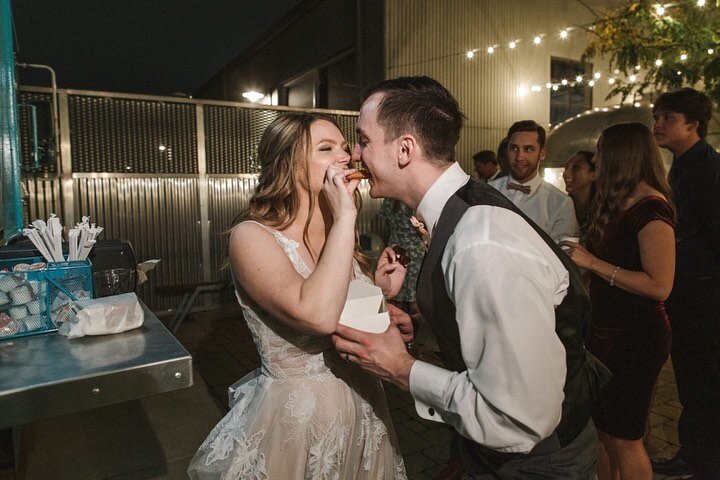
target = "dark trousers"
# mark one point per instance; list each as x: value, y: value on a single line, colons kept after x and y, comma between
x: 576, y: 461
x: 694, y: 311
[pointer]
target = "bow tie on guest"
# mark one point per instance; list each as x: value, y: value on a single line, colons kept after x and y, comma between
x: 420, y: 229
x: 520, y: 188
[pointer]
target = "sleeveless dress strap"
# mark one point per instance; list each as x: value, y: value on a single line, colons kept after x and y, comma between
x: 290, y: 247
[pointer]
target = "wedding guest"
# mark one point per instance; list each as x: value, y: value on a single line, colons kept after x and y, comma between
x: 541, y: 201
x: 580, y: 175
x: 305, y: 413
x: 631, y: 256
x: 681, y: 125
x: 507, y: 305
x: 486, y: 165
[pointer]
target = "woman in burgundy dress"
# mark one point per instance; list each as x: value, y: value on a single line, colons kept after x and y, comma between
x: 631, y: 257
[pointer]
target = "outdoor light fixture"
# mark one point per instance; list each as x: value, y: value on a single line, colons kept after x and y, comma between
x: 591, y: 83
x: 611, y: 81
x: 555, y: 88
x: 632, y: 78
x: 579, y: 79
x: 512, y: 44
x: 563, y: 34
x: 253, y: 96
x: 659, y: 9
x: 469, y: 54
x: 548, y: 85
x: 658, y: 62
x: 490, y: 50
x: 683, y: 57
x: 537, y: 40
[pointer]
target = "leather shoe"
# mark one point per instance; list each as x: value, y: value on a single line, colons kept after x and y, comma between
x: 674, y: 466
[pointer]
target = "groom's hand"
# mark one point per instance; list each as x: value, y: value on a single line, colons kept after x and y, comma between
x: 382, y: 354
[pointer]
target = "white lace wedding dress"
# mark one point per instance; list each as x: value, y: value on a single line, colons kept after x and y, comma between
x: 304, y: 414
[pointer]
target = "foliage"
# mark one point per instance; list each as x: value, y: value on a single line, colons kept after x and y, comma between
x: 686, y: 38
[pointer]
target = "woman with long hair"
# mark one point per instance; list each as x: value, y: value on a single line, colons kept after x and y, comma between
x: 631, y: 256
x: 580, y: 175
x: 306, y: 413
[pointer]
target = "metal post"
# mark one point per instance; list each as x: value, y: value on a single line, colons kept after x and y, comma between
x: 203, y: 193
x: 12, y: 215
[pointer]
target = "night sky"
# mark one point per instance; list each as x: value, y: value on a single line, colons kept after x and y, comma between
x: 159, y: 47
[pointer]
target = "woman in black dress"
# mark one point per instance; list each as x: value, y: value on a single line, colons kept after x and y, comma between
x: 631, y: 256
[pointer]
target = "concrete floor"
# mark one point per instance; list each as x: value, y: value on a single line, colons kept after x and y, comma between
x: 154, y: 438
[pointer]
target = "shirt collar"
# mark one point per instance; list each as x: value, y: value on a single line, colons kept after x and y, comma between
x: 434, y: 200
x: 534, y: 183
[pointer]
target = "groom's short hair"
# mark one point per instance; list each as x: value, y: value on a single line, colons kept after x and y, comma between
x: 422, y: 107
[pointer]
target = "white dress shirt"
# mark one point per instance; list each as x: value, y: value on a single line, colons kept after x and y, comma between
x: 505, y: 283
x: 546, y: 205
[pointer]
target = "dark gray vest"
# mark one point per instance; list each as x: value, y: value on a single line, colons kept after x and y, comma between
x: 572, y: 316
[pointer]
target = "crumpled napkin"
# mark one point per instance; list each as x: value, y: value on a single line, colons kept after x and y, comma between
x: 101, y: 316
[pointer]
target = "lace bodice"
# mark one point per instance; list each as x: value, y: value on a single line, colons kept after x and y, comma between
x: 284, y: 351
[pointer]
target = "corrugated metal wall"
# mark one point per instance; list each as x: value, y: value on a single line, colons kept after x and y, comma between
x: 426, y: 37
x: 150, y: 169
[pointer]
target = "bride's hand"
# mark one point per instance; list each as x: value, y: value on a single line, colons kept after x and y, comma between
x: 339, y: 192
x: 390, y: 272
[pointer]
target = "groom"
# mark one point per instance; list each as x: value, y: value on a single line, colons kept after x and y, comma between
x: 508, y: 307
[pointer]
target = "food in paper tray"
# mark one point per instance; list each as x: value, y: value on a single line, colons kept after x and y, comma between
x: 365, y: 308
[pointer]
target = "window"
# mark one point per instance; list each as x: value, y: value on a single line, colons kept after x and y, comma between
x: 568, y: 101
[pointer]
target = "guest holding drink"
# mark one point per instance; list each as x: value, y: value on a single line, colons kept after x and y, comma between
x: 631, y: 257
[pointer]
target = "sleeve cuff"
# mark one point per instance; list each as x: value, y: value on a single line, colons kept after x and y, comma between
x: 428, y: 385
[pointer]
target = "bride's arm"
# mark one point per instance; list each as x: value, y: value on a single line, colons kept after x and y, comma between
x: 314, y: 304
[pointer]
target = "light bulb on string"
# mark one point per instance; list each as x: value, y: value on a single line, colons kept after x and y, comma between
x: 563, y: 34
x: 555, y: 88
x: 637, y: 67
x: 659, y: 9
x: 537, y: 40
x: 579, y: 79
x: 512, y: 44
x: 611, y: 80
x: 548, y: 85
x: 490, y: 50
x: 591, y: 83
x: 564, y: 81
x: 683, y: 57
x: 658, y: 62
x: 632, y: 78
x: 710, y: 51
x: 597, y: 75
x: 700, y: 3
x: 470, y: 54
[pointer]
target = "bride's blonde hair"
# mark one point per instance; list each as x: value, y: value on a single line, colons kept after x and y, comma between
x: 283, y: 153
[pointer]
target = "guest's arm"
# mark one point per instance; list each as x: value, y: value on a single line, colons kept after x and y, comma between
x: 657, y: 254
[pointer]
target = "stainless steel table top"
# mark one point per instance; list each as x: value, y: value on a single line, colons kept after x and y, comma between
x: 48, y: 375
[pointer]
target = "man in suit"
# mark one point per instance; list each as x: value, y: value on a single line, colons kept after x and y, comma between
x: 508, y: 307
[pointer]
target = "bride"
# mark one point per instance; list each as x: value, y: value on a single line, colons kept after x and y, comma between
x: 305, y: 413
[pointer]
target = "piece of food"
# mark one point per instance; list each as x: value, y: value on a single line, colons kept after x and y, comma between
x: 358, y: 175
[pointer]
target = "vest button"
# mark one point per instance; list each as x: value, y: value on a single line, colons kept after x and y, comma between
x: 431, y: 411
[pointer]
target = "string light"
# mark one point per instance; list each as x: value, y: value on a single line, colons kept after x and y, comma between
x: 563, y: 34
x: 710, y: 51
x: 564, y: 81
x: 659, y: 9
x: 537, y: 40
x: 683, y: 57
x: 632, y: 78
x: 579, y: 79
x: 597, y: 75
x: 611, y: 80
x: 490, y: 50
x: 637, y: 67
x: 591, y: 83
x: 658, y: 62
x: 469, y: 54
x: 700, y: 3
x: 512, y: 44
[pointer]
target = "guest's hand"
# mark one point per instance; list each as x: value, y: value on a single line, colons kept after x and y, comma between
x: 403, y: 322
x: 338, y: 192
x: 390, y: 272
x: 579, y: 254
x: 381, y: 354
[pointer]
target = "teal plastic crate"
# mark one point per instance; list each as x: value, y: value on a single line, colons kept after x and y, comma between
x: 34, y: 301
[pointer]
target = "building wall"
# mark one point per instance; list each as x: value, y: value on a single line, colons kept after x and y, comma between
x: 423, y: 39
